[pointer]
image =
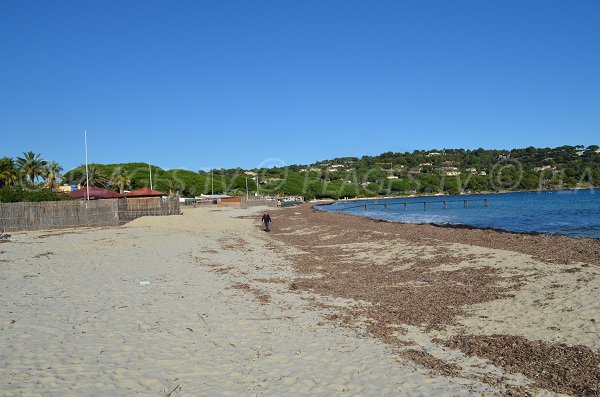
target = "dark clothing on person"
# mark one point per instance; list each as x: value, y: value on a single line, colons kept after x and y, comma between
x: 266, y: 219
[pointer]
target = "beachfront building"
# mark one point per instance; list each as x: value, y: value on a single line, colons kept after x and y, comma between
x: 95, y: 193
x: 66, y: 188
x: 144, y: 192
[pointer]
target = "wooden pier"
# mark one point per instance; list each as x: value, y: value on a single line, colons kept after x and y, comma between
x: 425, y: 204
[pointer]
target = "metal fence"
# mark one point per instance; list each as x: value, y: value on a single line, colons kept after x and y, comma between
x: 81, y: 213
x: 243, y: 202
x: 254, y: 201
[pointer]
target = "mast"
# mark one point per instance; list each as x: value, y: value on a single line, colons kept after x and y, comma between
x: 87, y: 173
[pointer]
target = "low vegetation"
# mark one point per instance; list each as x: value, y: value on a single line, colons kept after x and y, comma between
x: 447, y: 171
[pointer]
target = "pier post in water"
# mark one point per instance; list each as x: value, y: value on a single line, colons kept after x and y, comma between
x: 466, y: 204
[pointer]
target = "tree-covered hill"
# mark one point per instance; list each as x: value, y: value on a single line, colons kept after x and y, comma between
x: 444, y: 171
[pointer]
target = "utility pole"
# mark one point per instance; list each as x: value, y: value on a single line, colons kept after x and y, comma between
x: 247, y: 196
x: 87, y: 173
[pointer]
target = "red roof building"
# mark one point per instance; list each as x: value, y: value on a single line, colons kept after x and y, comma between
x: 144, y: 192
x: 95, y: 193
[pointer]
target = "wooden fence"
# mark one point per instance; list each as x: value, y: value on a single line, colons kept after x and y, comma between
x: 133, y: 208
x: 81, y: 213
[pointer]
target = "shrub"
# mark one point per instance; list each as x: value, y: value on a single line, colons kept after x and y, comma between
x: 15, y: 195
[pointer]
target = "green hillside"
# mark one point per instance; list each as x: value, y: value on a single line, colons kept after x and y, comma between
x: 448, y: 171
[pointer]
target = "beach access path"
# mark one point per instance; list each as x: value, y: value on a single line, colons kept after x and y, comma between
x: 206, y: 304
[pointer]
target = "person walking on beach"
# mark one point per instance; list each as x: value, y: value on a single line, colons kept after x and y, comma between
x: 266, y: 219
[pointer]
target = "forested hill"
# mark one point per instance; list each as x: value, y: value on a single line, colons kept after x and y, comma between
x: 448, y: 171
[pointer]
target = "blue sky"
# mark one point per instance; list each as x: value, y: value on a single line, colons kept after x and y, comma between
x: 199, y: 84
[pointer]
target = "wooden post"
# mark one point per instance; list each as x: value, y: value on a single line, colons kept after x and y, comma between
x: 445, y: 204
x: 485, y: 202
x: 425, y: 205
x: 405, y: 207
x: 466, y: 205
x: 365, y: 207
x: 385, y: 207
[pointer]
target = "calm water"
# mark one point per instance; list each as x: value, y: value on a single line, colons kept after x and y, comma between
x: 573, y: 213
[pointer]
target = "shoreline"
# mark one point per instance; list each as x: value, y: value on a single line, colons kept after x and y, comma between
x: 462, y: 226
x: 316, y: 206
x: 537, y: 243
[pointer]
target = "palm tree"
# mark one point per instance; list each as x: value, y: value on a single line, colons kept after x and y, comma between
x: 8, y: 171
x: 121, y: 179
x: 78, y: 176
x: 32, y: 165
x: 173, y: 186
x: 52, y: 174
x: 95, y: 177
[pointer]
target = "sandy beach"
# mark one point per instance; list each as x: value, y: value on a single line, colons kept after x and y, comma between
x: 206, y: 304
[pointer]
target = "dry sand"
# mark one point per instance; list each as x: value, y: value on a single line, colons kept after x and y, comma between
x: 213, y: 321
x: 207, y: 304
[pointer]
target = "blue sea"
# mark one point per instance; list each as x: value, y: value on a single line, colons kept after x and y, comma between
x: 574, y: 213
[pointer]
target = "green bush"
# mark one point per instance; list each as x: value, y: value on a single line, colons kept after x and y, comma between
x: 15, y: 195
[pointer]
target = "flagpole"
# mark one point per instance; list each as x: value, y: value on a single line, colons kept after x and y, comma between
x: 87, y: 173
